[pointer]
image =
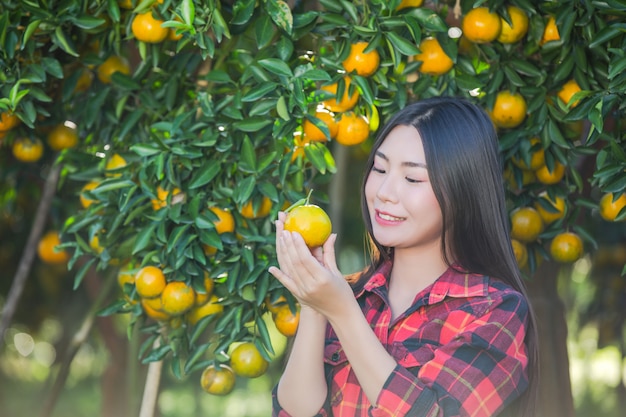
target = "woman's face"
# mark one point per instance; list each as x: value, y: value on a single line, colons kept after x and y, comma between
x: 402, y: 206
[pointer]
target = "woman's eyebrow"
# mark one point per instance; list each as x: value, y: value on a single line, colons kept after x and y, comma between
x: 409, y: 164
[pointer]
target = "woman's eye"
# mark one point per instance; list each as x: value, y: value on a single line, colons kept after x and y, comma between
x: 412, y: 181
x: 378, y: 170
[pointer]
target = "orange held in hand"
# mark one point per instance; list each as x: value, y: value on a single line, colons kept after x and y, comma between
x: 311, y: 222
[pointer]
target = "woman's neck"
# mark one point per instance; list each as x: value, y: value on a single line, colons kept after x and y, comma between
x: 416, y: 268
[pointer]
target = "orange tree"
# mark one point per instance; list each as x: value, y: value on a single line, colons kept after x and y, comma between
x: 191, y: 139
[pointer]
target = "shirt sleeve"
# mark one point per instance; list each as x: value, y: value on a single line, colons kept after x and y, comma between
x: 278, y: 411
x: 478, y: 373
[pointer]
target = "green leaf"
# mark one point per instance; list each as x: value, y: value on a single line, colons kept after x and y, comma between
x: 429, y: 19
x: 113, y: 9
x: 195, y: 355
x: 264, y: 31
x: 276, y: 66
x: 87, y: 22
x: 243, y: 190
x: 259, y: 91
x: 315, y: 75
x: 80, y: 275
x: 281, y: 108
x: 331, y: 5
x: 52, y: 67
x: 157, y: 354
x: 30, y: 29
x: 204, y: 175
x: 607, y: 33
x: 117, y: 307
x: 176, y: 235
x: 314, y: 154
x: 144, y: 238
x: 59, y: 39
x: 402, y: 45
x: 188, y: 12
x: 130, y: 122
x: 252, y: 124
x: 247, y: 162
x: 146, y: 149
x: 280, y: 13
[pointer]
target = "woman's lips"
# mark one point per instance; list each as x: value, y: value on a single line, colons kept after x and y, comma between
x: 387, y: 219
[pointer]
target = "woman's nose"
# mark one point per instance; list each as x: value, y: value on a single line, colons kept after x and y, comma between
x: 387, y: 190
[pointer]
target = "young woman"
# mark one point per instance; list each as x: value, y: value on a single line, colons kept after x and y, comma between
x: 439, y: 324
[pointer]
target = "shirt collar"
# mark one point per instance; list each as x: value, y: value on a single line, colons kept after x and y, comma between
x: 452, y: 283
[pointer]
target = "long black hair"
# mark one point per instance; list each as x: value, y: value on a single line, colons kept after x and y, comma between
x: 465, y: 171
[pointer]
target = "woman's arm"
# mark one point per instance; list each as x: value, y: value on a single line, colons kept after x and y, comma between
x: 318, y: 284
x: 302, y: 387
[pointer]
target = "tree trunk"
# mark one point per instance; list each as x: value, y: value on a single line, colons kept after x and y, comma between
x: 555, y: 393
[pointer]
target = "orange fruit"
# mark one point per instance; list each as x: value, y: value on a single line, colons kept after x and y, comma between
x: 566, y: 247
x: 346, y: 102
x: 150, y: 282
x: 433, y: 58
x: 526, y: 224
x: 248, y: 211
x: 84, y: 80
x: 154, y: 303
x: 207, y: 309
x: 247, y: 361
x: 225, y: 222
x: 152, y: 312
x: 172, y: 35
x: 537, y: 156
x: 567, y: 92
x: 405, y: 4
x: 550, y: 216
x: 125, y: 4
x: 352, y: 129
x: 84, y: 201
x: 550, y: 32
x: 177, y: 298
x: 161, y: 200
x: 274, y: 306
x: 545, y: 176
x: 509, y: 110
x: 8, y: 121
x: 286, y: 321
x: 114, y: 163
x: 110, y: 66
x: 147, y: 29
x: 203, y: 297
x: 521, y: 253
x: 313, y: 133
x: 609, y: 209
x: 62, y: 137
x: 27, y: 150
x: 209, y: 250
x: 528, y: 177
x: 94, y: 243
x: 480, y: 25
x: 311, y: 222
x: 364, y: 63
x: 300, y: 142
x: 218, y: 381
x: 515, y: 32
x: 125, y: 276
x: 47, y: 249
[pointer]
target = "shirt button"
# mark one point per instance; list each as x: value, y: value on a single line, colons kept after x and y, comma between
x: 335, y: 357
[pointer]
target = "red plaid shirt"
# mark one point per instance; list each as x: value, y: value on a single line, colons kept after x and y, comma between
x: 460, y: 351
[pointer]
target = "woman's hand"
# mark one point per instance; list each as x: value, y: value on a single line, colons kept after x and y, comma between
x: 311, y: 276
